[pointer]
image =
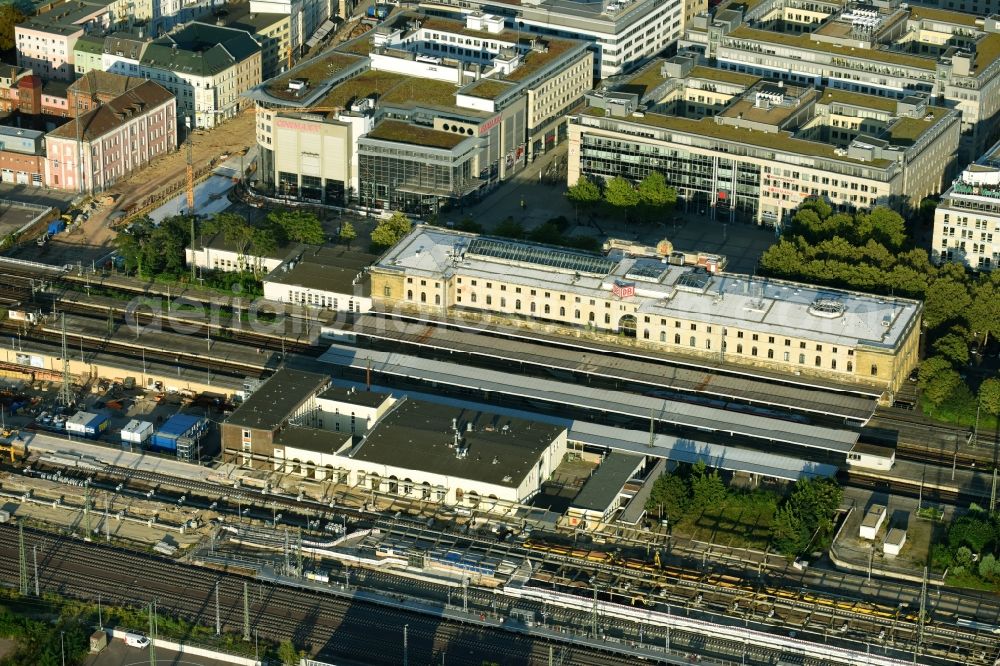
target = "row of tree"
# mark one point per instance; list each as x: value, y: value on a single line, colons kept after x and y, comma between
x: 804, y: 515
x: 872, y: 252
x: 650, y: 200
x: 972, y: 547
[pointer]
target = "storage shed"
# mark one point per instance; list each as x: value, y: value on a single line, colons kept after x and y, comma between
x: 98, y: 641
x: 87, y: 424
x: 180, y: 435
x: 894, y: 541
x: 872, y: 522
x: 136, y: 432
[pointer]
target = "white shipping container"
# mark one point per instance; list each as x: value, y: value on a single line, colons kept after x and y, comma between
x: 137, y: 432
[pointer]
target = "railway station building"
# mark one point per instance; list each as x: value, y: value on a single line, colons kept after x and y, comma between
x: 747, y: 149
x: 645, y: 303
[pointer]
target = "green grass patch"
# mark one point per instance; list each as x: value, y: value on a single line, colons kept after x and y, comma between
x: 737, y: 523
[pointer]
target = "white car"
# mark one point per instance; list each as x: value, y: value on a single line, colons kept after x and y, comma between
x: 136, y: 640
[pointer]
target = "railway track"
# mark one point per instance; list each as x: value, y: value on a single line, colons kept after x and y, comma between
x: 329, y: 625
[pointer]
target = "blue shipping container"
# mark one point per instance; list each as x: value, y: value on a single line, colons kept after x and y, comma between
x: 56, y: 226
x: 177, y: 427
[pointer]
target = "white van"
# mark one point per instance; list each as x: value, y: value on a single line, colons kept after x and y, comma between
x: 136, y: 640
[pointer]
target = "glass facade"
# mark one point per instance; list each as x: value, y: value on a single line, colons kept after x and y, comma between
x: 408, y: 179
x: 732, y: 186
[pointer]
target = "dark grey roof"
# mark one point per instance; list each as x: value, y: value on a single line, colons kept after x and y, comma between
x: 418, y: 435
x: 200, y: 49
x: 277, y: 399
x: 355, y: 396
x: 311, y: 439
x: 330, y: 268
x: 606, y: 482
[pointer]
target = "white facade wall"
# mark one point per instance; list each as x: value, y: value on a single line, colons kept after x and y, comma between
x: 227, y: 260
x: 330, y: 300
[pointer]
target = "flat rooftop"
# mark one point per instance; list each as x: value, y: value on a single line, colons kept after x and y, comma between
x: 328, y: 268
x: 398, y: 131
x: 603, y: 486
x: 311, y: 439
x: 418, y: 435
x: 313, y: 72
x: 354, y: 396
x: 766, y: 306
x: 277, y: 399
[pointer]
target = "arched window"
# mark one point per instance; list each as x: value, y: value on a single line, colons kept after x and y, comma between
x: 517, y: 304
x: 473, y: 297
x: 437, y: 299
x: 850, y: 366
x: 409, y: 294
x: 645, y: 334
x: 663, y: 336
x: 591, y: 317
x: 874, y: 369
x: 562, y: 312
x: 532, y: 307
x: 607, y: 318
x: 802, y: 358
x: 547, y: 309
x: 677, y: 338
x: 739, y: 349
x: 753, y: 351
x: 819, y: 361
x: 576, y: 314
x: 770, y: 353
x: 708, y: 344
x: 692, y: 341
x: 423, y: 297
x: 833, y: 364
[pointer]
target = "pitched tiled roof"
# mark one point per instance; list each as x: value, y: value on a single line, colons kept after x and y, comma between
x: 96, y: 82
x: 118, y: 111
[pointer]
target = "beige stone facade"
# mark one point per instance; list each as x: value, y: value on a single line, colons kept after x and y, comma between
x: 735, y: 320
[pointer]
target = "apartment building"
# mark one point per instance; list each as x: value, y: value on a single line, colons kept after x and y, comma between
x: 424, y: 112
x: 45, y: 42
x: 645, y: 303
x: 892, y: 50
x: 22, y: 156
x: 623, y: 34
x: 303, y: 19
x: 967, y: 219
x: 114, y: 139
x: 271, y: 30
x: 742, y: 148
x: 24, y: 92
x: 206, y: 67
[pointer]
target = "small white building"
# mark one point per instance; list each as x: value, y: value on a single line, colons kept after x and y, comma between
x: 218, y: 254
x: 330, y: 277
x: 350, y: 410
x: 871, y: 456
x: 136, y: 432
x: 894, y: 542
x: 872, y: 522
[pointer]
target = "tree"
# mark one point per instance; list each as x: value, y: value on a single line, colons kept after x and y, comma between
x: 620, y: 194
x: 287, y: 653
x: 884, y: 225
x: 298, y: 225
x: 952, y: 347
x: 390, y: 231
x: 347, y: 233
x: 655, y: 196
x: 789, y: 534
x: 989, y: 568
x: 930, y: 368
x: 10, y: 16
x: 509, y: 228
x: 940, y: 386
x: 671, y: 494
x: 707, y: 489
x: 989, y: 396
x: 983, y: 314
x: 946, y: 300
x: 585, y: 194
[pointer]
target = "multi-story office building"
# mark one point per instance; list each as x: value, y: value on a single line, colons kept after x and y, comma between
x: 114, y: 139
x: 206, y: 67
x: 272, y: 32
x: 967, y: 219
x: 643, y: 302
x: 623, y: 33
x: 894, y: 50
x: 424, y: 112
x: 742, y: 148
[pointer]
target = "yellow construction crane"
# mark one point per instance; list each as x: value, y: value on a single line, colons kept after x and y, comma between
x: 11, y: 446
